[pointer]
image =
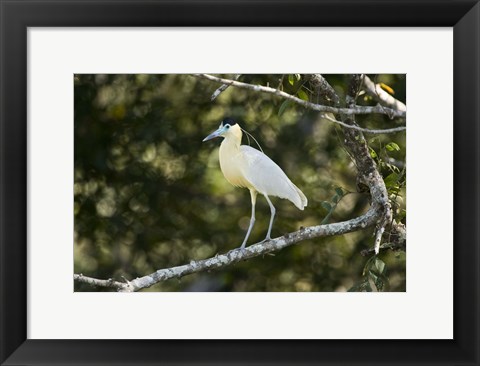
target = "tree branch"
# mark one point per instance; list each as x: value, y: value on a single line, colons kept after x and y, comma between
x: 376, y: 91
x: 96, y: 282
x: 234, y: 256
x: 317, y: 107
x: 367, y: 168
x: 360, y: 129
x: 368, y: 173
x: 323, y: 89
x: 327, y: 94
x: 222, y: 88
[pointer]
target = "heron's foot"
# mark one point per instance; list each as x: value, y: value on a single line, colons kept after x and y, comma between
x: 240, y: 248
x: 268, y: 238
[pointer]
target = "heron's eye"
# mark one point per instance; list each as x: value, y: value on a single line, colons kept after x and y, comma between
x: 227, y: 126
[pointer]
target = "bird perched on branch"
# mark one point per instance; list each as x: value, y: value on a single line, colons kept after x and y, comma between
x: 244, y: 166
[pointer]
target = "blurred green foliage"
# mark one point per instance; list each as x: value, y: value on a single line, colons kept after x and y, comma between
x: 150, y: 195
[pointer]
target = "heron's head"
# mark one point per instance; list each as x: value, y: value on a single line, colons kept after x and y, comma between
x: 228, y: 128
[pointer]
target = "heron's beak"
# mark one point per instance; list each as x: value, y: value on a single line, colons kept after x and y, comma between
x: 217, y: 133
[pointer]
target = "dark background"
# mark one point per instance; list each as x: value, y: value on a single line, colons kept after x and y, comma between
x: 149, y: 194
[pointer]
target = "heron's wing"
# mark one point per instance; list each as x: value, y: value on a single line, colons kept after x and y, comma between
x: 268, y: 178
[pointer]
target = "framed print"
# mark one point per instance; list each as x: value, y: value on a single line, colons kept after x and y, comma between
x: 125, y: 238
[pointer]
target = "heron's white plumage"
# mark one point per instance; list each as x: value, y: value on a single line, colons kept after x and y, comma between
x: 244, y: 166
x: 267, y: 177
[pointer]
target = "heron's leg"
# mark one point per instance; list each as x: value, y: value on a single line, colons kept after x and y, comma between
x: 272, y: 211
x: 253, y: 196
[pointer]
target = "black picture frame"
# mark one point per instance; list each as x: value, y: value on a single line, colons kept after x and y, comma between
x: 18, y: 15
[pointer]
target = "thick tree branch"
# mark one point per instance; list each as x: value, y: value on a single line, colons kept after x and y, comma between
x: 367, y: 168
x: 323, y: 89
x: 352, y: 110
x: 368, y: 173
x: 224, y: 260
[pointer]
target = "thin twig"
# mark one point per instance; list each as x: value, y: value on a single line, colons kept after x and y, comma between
x: 222, y: 88
x: 366, y: 130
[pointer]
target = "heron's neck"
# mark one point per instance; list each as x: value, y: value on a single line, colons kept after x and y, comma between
x: 232, y: 142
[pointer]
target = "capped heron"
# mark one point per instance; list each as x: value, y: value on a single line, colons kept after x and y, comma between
x: 244, y: 166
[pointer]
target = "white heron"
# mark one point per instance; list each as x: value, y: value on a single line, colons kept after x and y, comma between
x: 244, y: 166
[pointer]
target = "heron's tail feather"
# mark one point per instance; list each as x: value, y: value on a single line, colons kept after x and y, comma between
x: 300, y: 201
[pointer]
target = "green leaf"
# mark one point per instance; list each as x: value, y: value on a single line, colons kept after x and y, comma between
x: 377, y: 275
x: 283, y: 106
x: 373, y: 154
x: 339, y: 191
x: 393, y: 168
x: 394, y: 191
x: 368, y: 265
x: 327, y: 206
x: 298, y: 77
x: 373, y: 276
x: 401, y: 215
x: 291, y: 79
x: 391, y: 180
x: 379, y: 265
x: 392, y: 146
x: 302, y: 95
